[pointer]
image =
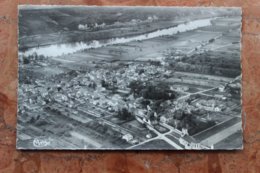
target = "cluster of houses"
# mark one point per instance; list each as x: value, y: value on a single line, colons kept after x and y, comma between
x: 88, y: 27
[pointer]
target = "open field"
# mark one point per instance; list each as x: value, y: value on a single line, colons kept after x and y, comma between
x: 217, y: 128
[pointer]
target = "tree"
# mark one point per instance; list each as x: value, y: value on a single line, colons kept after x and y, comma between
x: 26, y: 60
x: 136, y: 87
x: 158, y: 92
x: 145, y: 102
x: 124, y: 114
x: 92, y: 85
x: 104, y: 84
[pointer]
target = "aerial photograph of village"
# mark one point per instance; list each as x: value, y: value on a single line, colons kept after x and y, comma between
x: 129, y: 78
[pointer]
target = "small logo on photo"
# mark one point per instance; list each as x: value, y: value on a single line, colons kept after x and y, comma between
x: 41, y: 142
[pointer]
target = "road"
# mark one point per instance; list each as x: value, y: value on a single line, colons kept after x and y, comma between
x: 159, y: 136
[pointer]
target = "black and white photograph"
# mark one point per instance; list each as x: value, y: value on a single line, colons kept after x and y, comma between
x: 129, y: 78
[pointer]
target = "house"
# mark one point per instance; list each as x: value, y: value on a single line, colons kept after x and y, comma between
x: 128, y: 137
x: 189, y: 142
x: 221, y: 88
x: 163, y: 119
x: 184, y: 131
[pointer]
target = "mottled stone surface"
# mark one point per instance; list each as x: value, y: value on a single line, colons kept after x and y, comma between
x: 246, y: 161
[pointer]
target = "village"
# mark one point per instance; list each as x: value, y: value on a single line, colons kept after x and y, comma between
x: 128, y: 99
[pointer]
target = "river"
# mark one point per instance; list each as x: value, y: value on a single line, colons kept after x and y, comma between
x: 67, y: 48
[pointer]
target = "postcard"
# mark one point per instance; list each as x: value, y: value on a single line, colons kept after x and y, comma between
x: 129, y: 78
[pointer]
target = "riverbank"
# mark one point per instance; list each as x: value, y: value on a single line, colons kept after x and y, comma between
x: 67, y: 48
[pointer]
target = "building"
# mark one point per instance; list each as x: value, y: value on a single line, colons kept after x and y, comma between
x: 128, y: 137
x: 190, y: 143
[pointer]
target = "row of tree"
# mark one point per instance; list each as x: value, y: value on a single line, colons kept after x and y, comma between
x: 151, y: 91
